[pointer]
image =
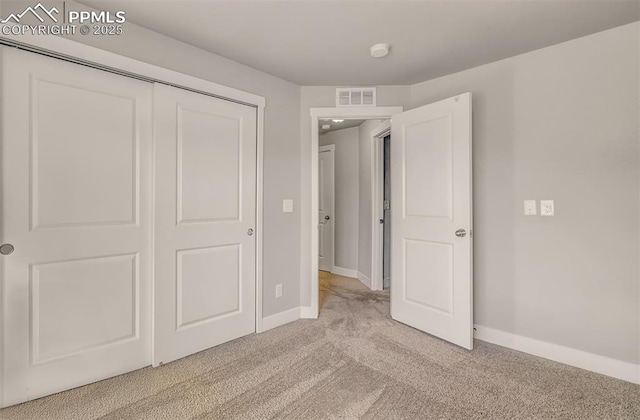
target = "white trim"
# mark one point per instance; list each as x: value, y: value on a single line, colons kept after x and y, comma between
x: 594, y: 362
x: 377, y: 197
x: 259, y: 217
x: 308, y: 312
x: 105, y: 58
x: 345, y: 272
x: 361, y: 113
x: 364, y: 280
x: 331, y: 148
x: 282, y: 318
x: 75, y: 49
x: 367, y: 113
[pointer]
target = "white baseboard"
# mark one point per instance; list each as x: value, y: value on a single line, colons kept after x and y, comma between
x: 307, y: 312
x: 281, y: 318
x: 364, y: 279
x: 596, y: 363
x: 346, y: 272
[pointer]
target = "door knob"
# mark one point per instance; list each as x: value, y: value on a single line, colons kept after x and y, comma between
x: 250, y: 232
x: 6, y: 249
x: 461, y: 233
x: 327, y: 217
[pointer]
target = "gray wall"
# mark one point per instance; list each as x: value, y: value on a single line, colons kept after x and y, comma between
x: 346, y: 195
x: 559, y: 123
x: 312, y: 97
x: 281, y: 144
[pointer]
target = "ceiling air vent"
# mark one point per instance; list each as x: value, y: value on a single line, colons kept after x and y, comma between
x: 356, y: 97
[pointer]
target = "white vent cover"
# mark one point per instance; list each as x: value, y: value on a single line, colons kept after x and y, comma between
x: 356, y: 96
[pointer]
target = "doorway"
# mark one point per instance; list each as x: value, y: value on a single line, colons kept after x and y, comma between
x: 386, y: 212
x: 374, y: 116
x: 431, y: 246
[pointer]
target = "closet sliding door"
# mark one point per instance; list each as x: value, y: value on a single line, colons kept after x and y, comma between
x: 75, y: 224
x: 82, y: 150
x: 205, y: 215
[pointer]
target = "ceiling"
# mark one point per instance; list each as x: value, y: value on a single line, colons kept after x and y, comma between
x: 327, y: 42
x: 337, y: 126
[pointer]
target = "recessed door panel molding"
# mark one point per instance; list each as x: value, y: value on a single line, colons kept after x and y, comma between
x: 431, y: 260
x: 79, y: 305
x: 428, y: 187
x: 76, y: 205
x: 205, y: 252
x: 84, y: 166
x: 322, y: 163
x: 209, y: 166
x: 209, y: 284
x: 432, y: 289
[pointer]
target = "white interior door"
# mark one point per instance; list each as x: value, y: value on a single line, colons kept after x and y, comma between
x: 205, y: 245
x: 76, y: 149
x: 326, y: 192
x: 432, y: 287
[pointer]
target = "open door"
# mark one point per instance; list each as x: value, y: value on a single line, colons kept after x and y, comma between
x: 431, y: 247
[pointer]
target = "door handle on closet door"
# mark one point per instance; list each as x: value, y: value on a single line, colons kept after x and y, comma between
x: 6, y: 249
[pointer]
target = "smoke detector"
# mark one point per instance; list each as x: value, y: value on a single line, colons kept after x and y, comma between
x: 379, y: 50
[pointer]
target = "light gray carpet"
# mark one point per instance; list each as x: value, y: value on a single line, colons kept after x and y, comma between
x: 353, y: 362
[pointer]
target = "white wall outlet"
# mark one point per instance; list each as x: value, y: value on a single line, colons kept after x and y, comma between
x: 278, y: 290
x: 530, y: 208
x: 546, y: 207
x: 287, y: 206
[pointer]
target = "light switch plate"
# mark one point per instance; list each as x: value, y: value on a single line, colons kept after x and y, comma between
x: 530, y: 208
x: 546, y: 208
x: 287, y: 206
x: 278, y: 290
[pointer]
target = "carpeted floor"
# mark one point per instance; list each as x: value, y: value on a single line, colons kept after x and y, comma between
x: 353, y: 362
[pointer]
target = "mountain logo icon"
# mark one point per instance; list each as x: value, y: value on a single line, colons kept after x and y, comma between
x: 34, y: 11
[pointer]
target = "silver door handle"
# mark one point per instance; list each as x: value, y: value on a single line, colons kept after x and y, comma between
x: 381, y: 221
x: 250, y: 232
x: 327, y: 217
x: 461, y: 233
x: 6, y: 249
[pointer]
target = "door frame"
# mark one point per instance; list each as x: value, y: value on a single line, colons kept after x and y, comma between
x: 377, y: 203
x: 316, y: 114
x: 332, y: 148
x: 82, y: 54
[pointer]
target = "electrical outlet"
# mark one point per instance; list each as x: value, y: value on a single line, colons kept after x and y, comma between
x: 546, y: 208
x: 287, y: 206
x: 278, y: 290
x: 530, y: 208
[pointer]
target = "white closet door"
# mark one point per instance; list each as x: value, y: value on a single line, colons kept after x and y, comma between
x: 76, y: 207
x: 205, y: 249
